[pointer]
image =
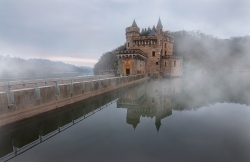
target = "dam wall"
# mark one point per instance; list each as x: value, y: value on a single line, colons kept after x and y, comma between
x: 23, y: 103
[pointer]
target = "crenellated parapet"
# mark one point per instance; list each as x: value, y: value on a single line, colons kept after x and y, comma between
x: 154, y: 47
x: 132, y: 29
x: 131, y: 54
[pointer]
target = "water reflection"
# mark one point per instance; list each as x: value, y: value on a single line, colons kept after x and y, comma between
x: 157, y: 99
x: 150, y: 99
x: 21, y: 136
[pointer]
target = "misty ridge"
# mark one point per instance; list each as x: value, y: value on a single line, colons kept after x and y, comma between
x: 214, y: 70
x: 200, y: 52
x: 15, y: 67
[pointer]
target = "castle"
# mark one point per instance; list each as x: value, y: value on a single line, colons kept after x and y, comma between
x: 150, y: 54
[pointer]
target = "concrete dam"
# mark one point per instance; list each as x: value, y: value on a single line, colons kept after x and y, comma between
x: 21, y: 100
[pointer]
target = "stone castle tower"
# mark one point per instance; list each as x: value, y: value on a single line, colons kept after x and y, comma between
x: 150, y: 54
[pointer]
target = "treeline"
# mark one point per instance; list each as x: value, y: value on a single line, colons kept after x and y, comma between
x: 200, y: 52
x: 211, y: 53
x: 11, y: 67
x: 146, y: 31
x: 108, y: 60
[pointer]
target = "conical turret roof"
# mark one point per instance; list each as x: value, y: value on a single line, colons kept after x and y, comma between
x: 134, y: 24
x: 159, y: 24
x: 158, y: 125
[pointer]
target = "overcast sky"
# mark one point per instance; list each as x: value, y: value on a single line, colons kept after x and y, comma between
x: 80, y: 31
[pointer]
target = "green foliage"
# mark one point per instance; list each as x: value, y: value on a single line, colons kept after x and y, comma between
x: 145, y: 32
x: 205, y: 52
x: 108, y: 60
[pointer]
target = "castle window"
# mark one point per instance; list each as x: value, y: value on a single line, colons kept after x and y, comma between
x: 165, y: 53
x: 128, y: 44
x: 156, y: 63
x: 165, y: 45
x: 153, y: 53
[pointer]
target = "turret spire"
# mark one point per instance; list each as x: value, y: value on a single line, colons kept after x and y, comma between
x: 134, y: 24
x: 159, y: 24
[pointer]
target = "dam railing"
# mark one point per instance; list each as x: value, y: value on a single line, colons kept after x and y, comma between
x: 17, y: 150
x: 22, y: 100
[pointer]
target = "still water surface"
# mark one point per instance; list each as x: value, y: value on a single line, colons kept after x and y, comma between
x: 159, y: 120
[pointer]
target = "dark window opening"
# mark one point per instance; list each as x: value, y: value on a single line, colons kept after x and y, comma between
x: 165, y: 53
x: 165, y: 45
x: 153, y: 53
x: 128, y: 44
x: 156, y: 63
x: 127, y: 71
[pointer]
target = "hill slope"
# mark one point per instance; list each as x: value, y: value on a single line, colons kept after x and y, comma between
x: 200, y: 52
x: 17, y: 67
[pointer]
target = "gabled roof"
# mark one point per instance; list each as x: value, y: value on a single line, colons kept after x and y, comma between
x: 152, y: 33
x: 134, y: 24
x: 159, y: 25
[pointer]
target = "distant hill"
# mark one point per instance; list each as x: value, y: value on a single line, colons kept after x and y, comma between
x: 107, y: 60
x: 200, y: 52
x: 212, y: 54
x: 17, y: 67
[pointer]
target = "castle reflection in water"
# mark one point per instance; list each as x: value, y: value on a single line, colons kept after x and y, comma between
x: 147, y: 99
x: 150, y: 99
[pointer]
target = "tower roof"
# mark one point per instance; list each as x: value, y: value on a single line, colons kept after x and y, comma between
x: 158, y: 125
x: 134, y: 24
x: 152, y: 33
x: 159, y: 24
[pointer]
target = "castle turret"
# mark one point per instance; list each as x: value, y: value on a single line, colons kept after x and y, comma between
x: 159, y: 27
x: 130, y: 32
x: 159, y: 32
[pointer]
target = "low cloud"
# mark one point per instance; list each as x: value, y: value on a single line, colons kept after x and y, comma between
x: 87, y: 29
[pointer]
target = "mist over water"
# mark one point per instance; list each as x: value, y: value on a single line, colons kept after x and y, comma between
x: 202, y: 116
x: 198, y: 117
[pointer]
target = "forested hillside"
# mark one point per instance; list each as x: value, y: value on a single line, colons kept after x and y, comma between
x: 211, y: 53
x: 199, y: 52
x: 18, y: 67
x: 107, y: 60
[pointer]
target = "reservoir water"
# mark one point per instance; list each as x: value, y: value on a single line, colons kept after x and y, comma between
x: 174, y: 120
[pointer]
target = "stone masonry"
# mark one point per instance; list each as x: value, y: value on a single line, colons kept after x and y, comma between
x: 151, y: 54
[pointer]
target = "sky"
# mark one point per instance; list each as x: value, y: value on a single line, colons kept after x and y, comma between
x: 80, y: 31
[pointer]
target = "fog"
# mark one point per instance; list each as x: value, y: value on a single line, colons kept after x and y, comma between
x: 13, y: 67
x: 86, y: 29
